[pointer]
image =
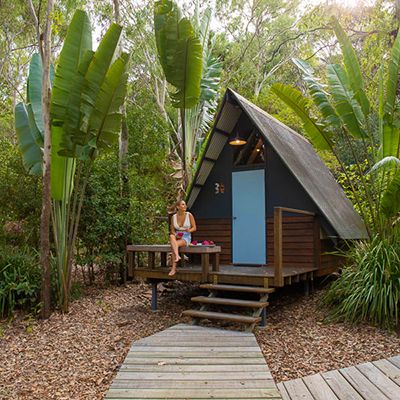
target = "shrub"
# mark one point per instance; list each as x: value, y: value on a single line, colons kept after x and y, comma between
x: 20, y: 199
x: 20, y: 279
x: 369, y: 287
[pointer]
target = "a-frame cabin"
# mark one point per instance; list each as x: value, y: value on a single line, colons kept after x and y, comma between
x: 270, y: 201
x: 271, y: 204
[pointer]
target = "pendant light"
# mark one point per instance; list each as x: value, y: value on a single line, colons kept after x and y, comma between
x: 236, y: 139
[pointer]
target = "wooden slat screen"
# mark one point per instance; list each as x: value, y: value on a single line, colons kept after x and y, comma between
x: 298, y: 240
x: 220, y: 232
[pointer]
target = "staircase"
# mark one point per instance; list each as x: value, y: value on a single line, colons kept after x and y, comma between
x: 229, y: 298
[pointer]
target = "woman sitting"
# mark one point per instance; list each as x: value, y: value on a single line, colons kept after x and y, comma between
x: 182, y: 225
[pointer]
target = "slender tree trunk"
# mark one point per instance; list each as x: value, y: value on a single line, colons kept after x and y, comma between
x: 44, y: 42
x: 123, y: 160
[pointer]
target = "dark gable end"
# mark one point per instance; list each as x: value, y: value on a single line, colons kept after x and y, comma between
x: 305, y: 165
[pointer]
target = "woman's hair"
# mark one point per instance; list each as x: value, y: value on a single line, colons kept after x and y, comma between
x: 172, y: 209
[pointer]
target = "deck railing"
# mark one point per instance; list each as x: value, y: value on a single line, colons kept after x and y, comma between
x: 278, y: 241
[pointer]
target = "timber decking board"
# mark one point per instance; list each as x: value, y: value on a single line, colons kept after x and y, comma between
x: 177, y: 364
x: 377, y: 380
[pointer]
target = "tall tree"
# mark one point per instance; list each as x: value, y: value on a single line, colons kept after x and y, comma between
x: 44, y: 43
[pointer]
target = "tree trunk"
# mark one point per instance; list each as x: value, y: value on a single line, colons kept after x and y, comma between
x: 44, y: 43
x: 123, y: 162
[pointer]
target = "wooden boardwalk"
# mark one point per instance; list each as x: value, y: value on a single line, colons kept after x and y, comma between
x: 193, y: 362
x: 377, y: 380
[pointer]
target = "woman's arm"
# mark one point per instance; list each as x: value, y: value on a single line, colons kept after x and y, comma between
x: 193, y: 227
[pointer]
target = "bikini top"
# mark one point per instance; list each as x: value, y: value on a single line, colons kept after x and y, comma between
x: 186, y: 223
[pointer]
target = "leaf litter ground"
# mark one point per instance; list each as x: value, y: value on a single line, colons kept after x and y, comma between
x: 76, y: 356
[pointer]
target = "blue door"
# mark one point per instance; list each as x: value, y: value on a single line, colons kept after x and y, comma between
x: 248, y: 217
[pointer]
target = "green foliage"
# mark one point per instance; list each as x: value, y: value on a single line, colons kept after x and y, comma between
x: 20, y: 199
x: 180, y: 53
x: 20, y: 279
x: 292, y: 97
x: 369, y: 287
x: 151, y: 188
x: 103, y: 226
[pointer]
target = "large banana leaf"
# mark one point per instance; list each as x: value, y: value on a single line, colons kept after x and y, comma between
x: 105, y: 121
x: 180, y: 53
x: 72, y: 136
x: 62, y: 168
x: 298, y: 103
x: 77, y: 42
x: 35, y: 93
x: 97, y: 71
x: 31, y: 153
x: 188, y: 67
x: 318, y: 94
x: 391, y: 132
x: 346, y: 106
x: 166, y: 21
x: 36, y: 134
x: 352, y: 67
x: 390, y: 203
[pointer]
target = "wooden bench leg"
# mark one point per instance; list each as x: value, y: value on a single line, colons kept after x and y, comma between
x: 205, y: 266
x: 131, y: 264
x: 215, y: 262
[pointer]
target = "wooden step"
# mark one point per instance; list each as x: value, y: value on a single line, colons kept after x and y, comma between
x: 229, y: 302
x: 223, y: 316
x: 237, y: 288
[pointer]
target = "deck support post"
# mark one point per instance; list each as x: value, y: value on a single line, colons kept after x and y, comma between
x: 306, y: 286
x: 154, y: 296
x: 263, y: 322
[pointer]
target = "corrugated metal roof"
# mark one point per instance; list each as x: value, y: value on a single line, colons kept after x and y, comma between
x: 304, y: 163
x: 193, y: 196
x: 228, y: 117
x: 217, y: 143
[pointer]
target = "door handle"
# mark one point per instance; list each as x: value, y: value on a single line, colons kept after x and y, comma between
x: 234, y: 218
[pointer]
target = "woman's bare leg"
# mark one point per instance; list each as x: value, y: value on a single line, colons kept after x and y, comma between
x: 175, y: 247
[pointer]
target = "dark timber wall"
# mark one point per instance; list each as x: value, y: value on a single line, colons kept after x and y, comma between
x: 213, y: 213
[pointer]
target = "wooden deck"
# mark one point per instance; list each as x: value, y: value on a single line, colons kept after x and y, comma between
x: 377, y: 380
x: 231, y: 274
x: 192, y: 362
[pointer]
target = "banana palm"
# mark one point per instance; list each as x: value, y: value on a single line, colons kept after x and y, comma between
x: 343, y: 105
x: 88, y: 90
x: 181, y: 56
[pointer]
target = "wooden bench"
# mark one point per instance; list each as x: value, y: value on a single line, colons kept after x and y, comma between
x: 206, y: 252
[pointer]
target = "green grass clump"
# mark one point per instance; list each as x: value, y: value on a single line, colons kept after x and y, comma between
x: 369, y: 286
x: 20, y: 279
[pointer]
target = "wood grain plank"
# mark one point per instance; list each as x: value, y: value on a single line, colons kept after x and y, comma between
x: 339, y: 385
x: 173, y: 348
x: 193, y: 368
x: 389, y: 369
x: 192, y: 376
x: 195, y: 354
x: 297, y: 390
x: 363, y: 386
x: 195, y: 361
x: 283, y: 392
x: 319, y: 388
x: 192, y: 394
x: 178, y: 384
x: 380, y: 380
x: 395, y: 361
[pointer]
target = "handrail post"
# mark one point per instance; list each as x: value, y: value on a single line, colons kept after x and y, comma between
x: 278, y: 276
